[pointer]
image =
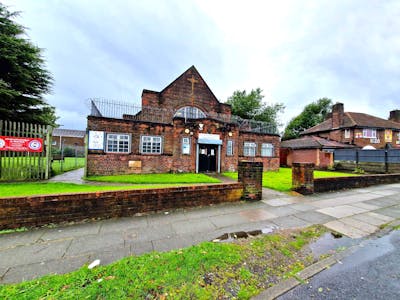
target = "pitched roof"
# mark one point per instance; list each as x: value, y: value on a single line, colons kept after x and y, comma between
x: 354, y: 119
x: 313, y: 142
x: 69, y: 133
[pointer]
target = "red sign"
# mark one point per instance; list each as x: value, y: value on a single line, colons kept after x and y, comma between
x: 20, y: 144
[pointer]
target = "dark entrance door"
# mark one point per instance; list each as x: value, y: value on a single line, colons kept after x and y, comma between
x: 207, y: 158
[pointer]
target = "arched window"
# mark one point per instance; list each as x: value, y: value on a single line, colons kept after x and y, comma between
x: 190, y: 112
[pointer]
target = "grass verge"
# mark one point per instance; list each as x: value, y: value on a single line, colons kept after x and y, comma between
x: 282, y: 180
x: 209, y: 270
x: 49, y: 188
x: 69, y: 164
x: 156, y: 178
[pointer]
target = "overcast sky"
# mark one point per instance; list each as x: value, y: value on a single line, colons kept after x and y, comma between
x: 296, y: 51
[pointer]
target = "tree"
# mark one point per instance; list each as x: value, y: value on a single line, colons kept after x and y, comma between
x: 251, y: 106
x: 23, y: 77
x: 312, y: 114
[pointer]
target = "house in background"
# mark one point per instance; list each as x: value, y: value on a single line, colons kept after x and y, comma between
x: 310, y: 149
x: 358, y: 129
x: 183, y: 128
x: 63, y: 138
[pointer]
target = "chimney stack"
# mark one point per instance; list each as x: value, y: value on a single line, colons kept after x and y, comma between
x: 337, y: 115
x: 395, y: 115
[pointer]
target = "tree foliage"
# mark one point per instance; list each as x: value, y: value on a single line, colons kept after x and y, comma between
x: 250, y: 106
x: 23, y: 77
x: 312, y: 114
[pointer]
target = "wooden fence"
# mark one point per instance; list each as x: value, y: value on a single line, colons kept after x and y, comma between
x: 21, y: 165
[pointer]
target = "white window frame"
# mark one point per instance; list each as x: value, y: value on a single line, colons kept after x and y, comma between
x: 267, y: 150
x: 190, y: 112
x: 249, y: 149
x: 122, y: 140
x: 186, y: 141
x: 347, y: 133
x: 229, y: 148
x: 153, y: 140
x: 366, y: 132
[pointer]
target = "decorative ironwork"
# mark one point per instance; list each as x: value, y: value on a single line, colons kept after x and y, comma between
x: 122, y: 110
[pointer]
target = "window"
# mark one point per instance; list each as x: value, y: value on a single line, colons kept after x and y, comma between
x: 267, y: 150
x: 369, y: 133
x: 229, y: 148
x: 185, y: 145
x: 347, y: 133
x: 249, y: 149
x: 117, y: 142
x: 190, y: 112
x: 151, y: 144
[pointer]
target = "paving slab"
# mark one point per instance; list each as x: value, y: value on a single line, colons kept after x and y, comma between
x: 365, y: 227
x: 193, y: 226
x: 123, y: 224
x: 302, y: 207
x: 365, y: 206
x: 290, y: 222
x: 314, y: 217
x: 255, y: 215
x: 166, y: 218
x: 3, y: 271
x: 149, y: 233
x: 373, y: 218
x: 228, y: 220
x: 341, y: 211
x: 282, y: 211
x: 35, y: 270
x: 393, y: 211
x: 11, y: 240
x: 345, y: 229
x: 385, y: 192
x: 138, y: 248
x: 92, y: 243
x: 68, y: 232
x: 280, y: 201
x: 28, y: 254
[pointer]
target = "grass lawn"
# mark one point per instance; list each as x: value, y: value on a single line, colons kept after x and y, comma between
x: 156, y: 178
x: 209, y: 270
x: 69, y: 164
x: 282, y: 180
x: 35, y: 188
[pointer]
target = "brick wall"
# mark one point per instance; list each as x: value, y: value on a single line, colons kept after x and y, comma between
x: 339, y: 183
x: 250, y: 174
x: 321, y: 159
x: 40, y: 210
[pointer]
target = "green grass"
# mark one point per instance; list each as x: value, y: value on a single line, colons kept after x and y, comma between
x: 30, y: 189
x: 156, y: 178
x: 282, y: 180
x: 68, y: 164
x: 209, y: 270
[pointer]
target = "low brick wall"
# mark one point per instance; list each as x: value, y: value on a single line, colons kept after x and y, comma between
x: 40, y: 210
x: 338, y: 183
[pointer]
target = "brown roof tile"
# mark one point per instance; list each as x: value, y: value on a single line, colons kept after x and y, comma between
x: 312, y: 142
x: 354, y: 119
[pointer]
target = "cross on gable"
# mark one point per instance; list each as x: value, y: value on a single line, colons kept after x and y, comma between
x: 193, y: 81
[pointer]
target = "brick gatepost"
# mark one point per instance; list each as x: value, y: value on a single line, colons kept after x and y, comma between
x: 303, y: 178
x: 250, y: 175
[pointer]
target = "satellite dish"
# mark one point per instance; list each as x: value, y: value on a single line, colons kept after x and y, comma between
x: 369, y: 147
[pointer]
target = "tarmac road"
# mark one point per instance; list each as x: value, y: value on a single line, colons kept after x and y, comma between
x: 372, y: 272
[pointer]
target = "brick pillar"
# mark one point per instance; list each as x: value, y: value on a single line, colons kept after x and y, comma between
x: 303, y: 178
x: 250, y: 175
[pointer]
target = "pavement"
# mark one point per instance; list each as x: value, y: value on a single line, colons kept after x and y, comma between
x: 355, y: 213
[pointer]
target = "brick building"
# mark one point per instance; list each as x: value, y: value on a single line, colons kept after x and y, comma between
x: 359, y: 129
x: 183, y: 128
x: 68, y: 138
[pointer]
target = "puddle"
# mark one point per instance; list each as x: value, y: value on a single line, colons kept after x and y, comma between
x: 331, y: 242
x: 229, y: 237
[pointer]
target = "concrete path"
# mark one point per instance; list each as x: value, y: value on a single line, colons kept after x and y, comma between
x: 355, y: 213
x: 74, y: 176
